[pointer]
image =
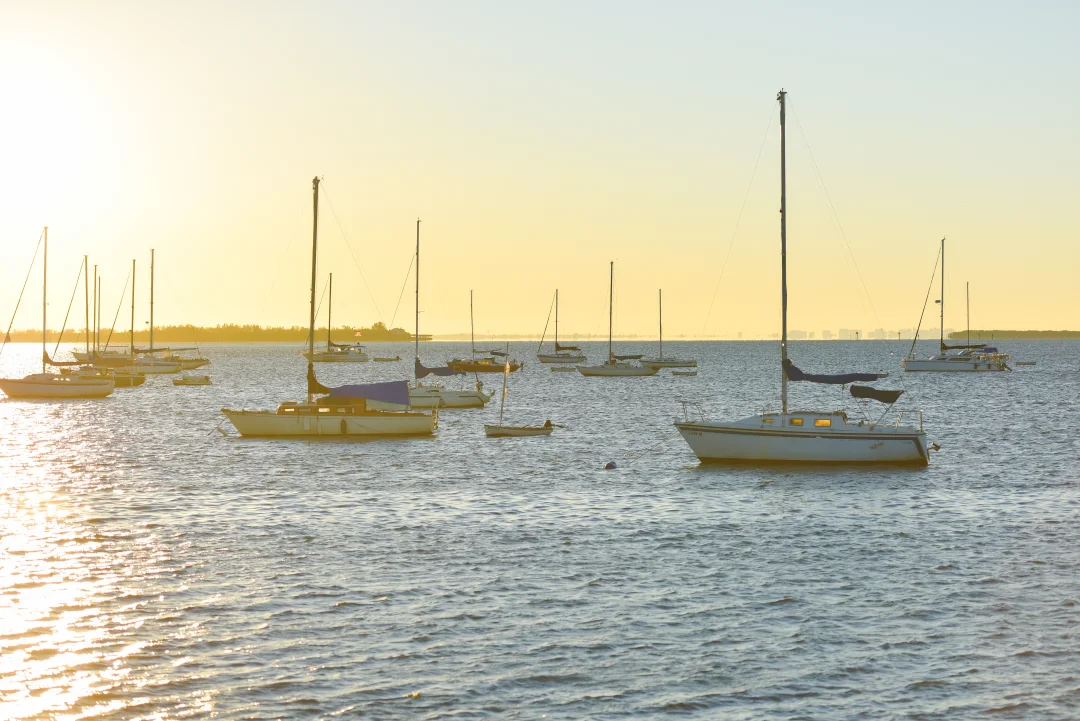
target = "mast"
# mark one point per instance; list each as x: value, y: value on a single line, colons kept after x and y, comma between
x: 941, y: 330
x: 44, y: 296
x: 661, y: 322
x: 556, y: 320
x: 506, y: 373
x: 416, y: 335
x: 472, y: 328
x: 967, y: 298
x: 610, y: 306
x: 132, y: 344
x: 329, y: 308
x: 314, y: 261
x: 151, y: 299
x: 86, y: 290
x: 783, y: 255
x: 97, y: 310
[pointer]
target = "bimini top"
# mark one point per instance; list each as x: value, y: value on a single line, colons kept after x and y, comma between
x: 877, y: 394
x: 794, y: 374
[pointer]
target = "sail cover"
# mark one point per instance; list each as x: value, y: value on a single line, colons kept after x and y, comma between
x: 794, y: 374
x: 559, y: 347
x: 313, y: 384
x: 421, y: 371
x: 50, y: 361
x: 346, y: 345
x: 877, y: 394
x: 975, y: 346
x: 396, y: 392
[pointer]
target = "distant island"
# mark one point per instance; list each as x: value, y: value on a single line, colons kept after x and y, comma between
x: 227, y: 333
x: 986, y: 335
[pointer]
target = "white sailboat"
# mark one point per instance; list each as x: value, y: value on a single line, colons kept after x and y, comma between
x: 806, y: 436
x: 501, y: 431
x: 493, y: 362
x: 335, y: 352
x: 563, y: 353
x: 615, y: 365
x: 342, y: 411
x: 53, y: 385
x: 967, y: 358
x: 436, y: 396
x: 662, y: 361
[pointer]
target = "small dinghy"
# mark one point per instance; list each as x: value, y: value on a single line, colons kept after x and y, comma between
x: 191, y: 381
x: 501, y: 431
x: 564, y: 369
x: 684, y: 373
x: 387, y: 360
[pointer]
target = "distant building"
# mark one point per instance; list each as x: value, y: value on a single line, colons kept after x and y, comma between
x: 811, y: 335
x: 826, y: 335
x: 797, y: 334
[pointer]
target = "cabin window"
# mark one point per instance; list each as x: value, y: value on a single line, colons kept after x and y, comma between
x: 767, y: 420
x: 795, y: 421
x: 823, y: 422
x: 324, y: 410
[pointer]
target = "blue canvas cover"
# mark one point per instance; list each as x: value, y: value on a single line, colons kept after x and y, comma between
x: 396, y: 392
x: 421, y: 371
x: 794, y: 374
x: 878, y: 394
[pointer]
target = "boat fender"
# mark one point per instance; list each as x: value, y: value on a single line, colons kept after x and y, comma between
x: 610, y: 466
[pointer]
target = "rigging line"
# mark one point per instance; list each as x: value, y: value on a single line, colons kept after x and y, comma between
x: 353, y: 254
x: 738, y: 220
x: 832, y: 209
x: 322, y: 297
x: 17, y: 304
x: 284, y: 258
x: 118, y: 307
x: 929, y: 290
x: 71, y: 303
x: 412, y: 259
x: 544, y: 334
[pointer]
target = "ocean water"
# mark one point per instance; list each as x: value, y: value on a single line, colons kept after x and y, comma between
x: 152, y: 567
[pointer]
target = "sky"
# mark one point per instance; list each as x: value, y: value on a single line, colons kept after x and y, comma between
x: 538, y: 142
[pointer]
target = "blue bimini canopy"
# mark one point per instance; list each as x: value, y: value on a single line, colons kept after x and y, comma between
x: 421, y: 371
x: 794, y: 374
x: 396, y: 392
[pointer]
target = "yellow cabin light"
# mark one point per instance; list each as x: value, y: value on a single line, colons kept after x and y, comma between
x: 823, y: 422
x: 795, y: 421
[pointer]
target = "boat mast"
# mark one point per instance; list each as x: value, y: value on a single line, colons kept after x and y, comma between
x: 314, y: 259
x: 472, y: 328
x: 783, y: 257
x: 416, y: 334
x: 611, y: 304
x: 329, y: 308
x: 132, y: 344
x: 506, y: 373
x: 941, y: 330
x: 151, y: 299
x: 967, y: 298
x: 44, y: 295
x: 86, y: 290
x: 97, y: 310
x: 661, y: 291
x: 556, y: 320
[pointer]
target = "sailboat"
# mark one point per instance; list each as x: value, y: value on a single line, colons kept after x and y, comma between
x: 661, y: 361
x: 967, y: 358
x: 501, y: 431
x: 563, y: 353
x: 53, y: 385
x: 435, y: 396
x: 492, y: 363
x: 341, y: 411
x: 807, y: 436
x: 615, y: 365
x: 336, y: 352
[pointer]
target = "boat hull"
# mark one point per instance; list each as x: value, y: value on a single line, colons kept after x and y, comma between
x: 267, y: 424
x: 472, y: 367
x: 953, y: 366
x: 337, y: 358
x: 515, y: 431
x: 560, y: 358
x: 47, y: 386
x: 749, y: 440
x: 611, y: 370
x: 669, y: 363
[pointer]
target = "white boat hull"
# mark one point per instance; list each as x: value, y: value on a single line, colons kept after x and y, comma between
x: 192, y: 381
x: 616, y: 369
x: 560, y: 358
x: 755, y: 439
x: 193, y: 363
x: 47, y: 385
x: 337, y: 357
x: 965, y: 365
x: 269, y: 424
x: 515, y: 431
x: 435, y: 397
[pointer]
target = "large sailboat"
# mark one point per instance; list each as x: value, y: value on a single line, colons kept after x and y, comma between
x: 336, y: 352
x: 341, y: 411
x: 809, y: 436
x: 967, y: 358
x: 53, y: 385
x: 616, y: 365
x: 662, y: 361
x: 562, y: 353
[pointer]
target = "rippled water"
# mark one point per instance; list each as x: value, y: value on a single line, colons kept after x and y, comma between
x: 151, y: 567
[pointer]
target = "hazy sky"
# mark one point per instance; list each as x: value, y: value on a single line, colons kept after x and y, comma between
x: 537, y: 142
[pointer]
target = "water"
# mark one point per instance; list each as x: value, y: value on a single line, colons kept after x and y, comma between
x: 152, y: 568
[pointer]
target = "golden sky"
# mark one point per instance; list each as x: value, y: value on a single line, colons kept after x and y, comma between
x: 537, y: 142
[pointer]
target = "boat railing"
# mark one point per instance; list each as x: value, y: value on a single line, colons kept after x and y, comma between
x: 696, y: 406
x: 911, y: 411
